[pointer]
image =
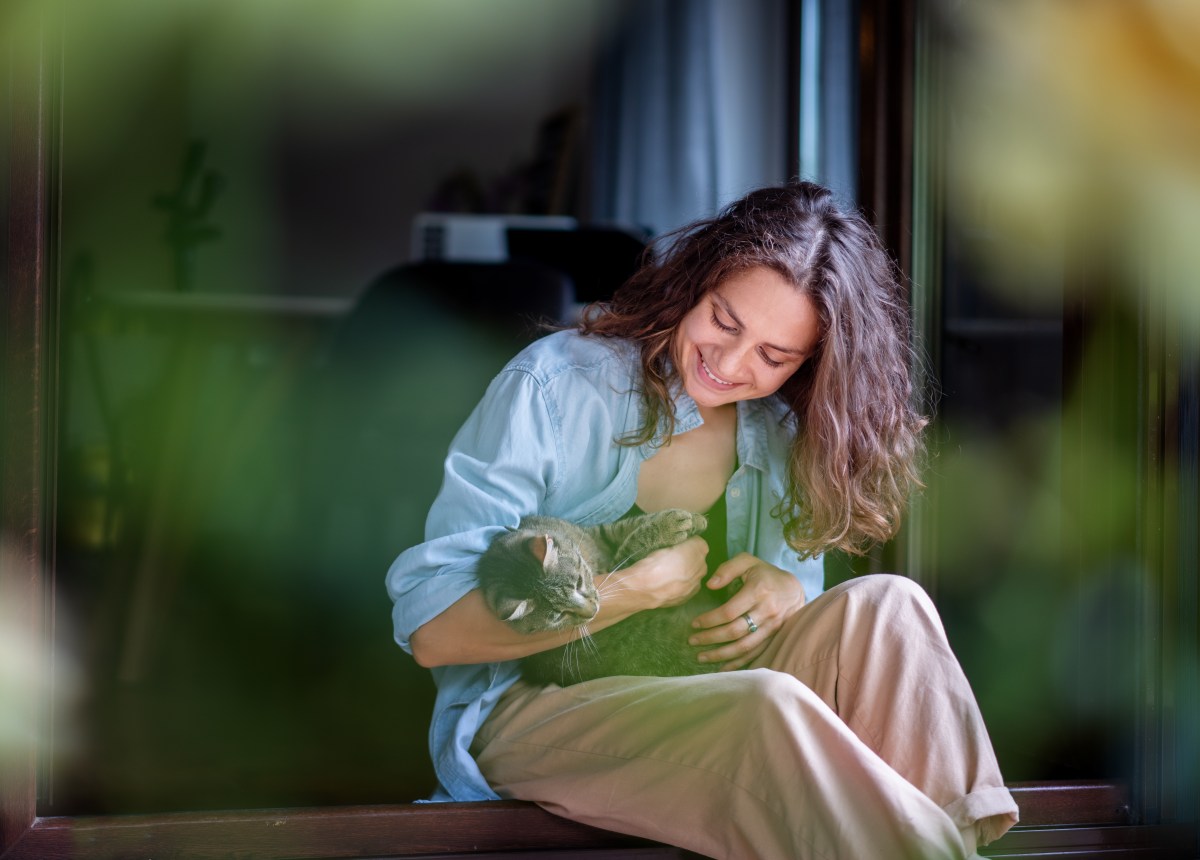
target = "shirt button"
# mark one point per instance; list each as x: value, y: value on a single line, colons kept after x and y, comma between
x: 735, y: 493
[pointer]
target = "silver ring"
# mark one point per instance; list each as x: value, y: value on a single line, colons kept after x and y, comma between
x: 750, y: 623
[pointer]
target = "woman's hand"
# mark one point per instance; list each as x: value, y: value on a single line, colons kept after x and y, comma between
x: 665, y: 577
x: 768, y: 597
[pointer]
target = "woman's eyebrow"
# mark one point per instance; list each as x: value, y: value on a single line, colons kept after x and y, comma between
x: 725, y: 306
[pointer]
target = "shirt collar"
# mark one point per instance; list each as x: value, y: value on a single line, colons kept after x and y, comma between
x: 752, y: 433
x: 687, y: 413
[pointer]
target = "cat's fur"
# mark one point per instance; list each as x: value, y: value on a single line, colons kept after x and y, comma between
x: 540, y: 577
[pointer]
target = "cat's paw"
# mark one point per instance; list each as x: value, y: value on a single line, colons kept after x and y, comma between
x: 677, y: 525
x: 659, y: 531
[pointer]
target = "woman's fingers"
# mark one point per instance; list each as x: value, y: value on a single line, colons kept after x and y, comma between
x: 734, y: 568
x: 740, y: 650
x: 725, y: 623
x: 671, y: 575
x: 730, y: 631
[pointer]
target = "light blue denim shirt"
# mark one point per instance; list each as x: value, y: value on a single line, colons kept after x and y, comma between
x: 542, y: 441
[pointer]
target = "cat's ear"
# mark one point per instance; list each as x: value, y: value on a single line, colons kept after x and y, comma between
x: 522, y: 609
x: 537, y: 547
x: 544, y: 550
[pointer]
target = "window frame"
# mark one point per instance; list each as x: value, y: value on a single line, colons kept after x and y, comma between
x: 1059, y: 818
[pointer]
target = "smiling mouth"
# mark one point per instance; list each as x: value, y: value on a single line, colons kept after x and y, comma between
x: 713, y: 376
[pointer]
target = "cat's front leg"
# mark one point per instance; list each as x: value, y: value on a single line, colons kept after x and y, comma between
x: 657, y: 531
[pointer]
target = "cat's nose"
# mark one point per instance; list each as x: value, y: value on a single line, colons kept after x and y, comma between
x: 583, y: 606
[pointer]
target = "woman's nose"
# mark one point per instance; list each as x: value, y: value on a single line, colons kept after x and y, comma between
x: 732, y: 360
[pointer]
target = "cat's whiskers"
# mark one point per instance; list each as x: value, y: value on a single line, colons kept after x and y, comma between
x: 611, y: 585
x: 586, y: 642
x: 569, y: 662
x: 580, y: 644
x: 606, y: 593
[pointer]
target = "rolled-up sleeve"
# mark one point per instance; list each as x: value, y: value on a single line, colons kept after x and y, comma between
x: 500, y: 467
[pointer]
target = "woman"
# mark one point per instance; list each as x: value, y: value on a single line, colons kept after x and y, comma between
x: 761, y: 366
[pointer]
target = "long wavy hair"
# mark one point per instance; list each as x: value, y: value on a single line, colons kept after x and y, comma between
x: 855, y: 458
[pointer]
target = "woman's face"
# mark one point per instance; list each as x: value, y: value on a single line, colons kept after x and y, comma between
x: 745, y: 338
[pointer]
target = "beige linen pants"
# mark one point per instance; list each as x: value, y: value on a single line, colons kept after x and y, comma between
x: 854, y: 736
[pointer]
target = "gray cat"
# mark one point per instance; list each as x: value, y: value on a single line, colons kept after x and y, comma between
x: 539, y: 577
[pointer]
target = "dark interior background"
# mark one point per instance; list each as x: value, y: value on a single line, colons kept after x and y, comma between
x: 257, y: 394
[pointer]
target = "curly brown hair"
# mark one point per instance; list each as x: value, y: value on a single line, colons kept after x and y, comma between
x: 856, y: 456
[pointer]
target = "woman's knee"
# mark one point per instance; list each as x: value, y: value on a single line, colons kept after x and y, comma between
x: 896, y: 602
x: 890, y: 590
x: 766, y: 694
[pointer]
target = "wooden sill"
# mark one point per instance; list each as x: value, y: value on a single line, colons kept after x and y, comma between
x: 1079, y: 820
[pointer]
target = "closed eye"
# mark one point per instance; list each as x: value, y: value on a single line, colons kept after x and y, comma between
x: 769, y: 361
x: 725, y: 328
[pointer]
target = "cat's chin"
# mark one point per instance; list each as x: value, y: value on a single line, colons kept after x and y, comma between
x: 573, y: 622
x: 533, y: 624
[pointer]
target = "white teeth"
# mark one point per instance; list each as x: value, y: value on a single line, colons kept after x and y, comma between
x: 711, y: 375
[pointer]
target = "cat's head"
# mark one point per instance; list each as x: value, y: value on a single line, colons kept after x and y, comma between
x: 538, y: 583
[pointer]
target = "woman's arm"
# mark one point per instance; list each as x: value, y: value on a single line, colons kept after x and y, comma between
x: 468, y: 631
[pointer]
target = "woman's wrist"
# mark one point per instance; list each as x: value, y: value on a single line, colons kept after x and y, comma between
x: 621, y: 595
